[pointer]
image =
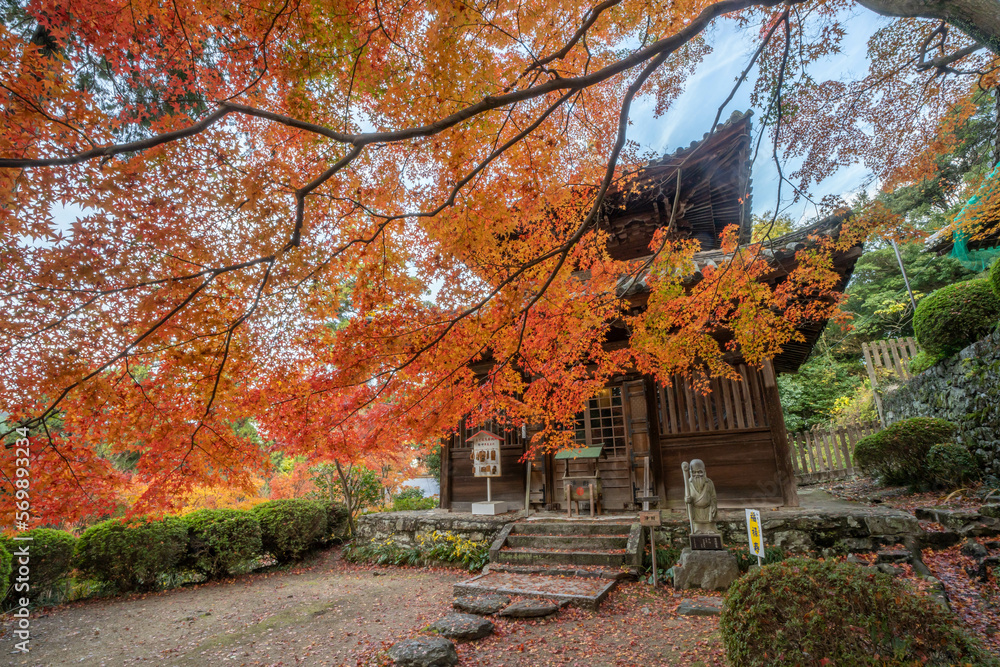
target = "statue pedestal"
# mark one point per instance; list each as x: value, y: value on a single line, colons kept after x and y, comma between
x: 707, y: 570
x: 492, y: 507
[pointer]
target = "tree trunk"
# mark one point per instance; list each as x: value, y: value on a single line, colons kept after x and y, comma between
x: 979, y: 19
x: 345, y: 481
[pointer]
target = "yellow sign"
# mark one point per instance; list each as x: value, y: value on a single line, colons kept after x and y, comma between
x: 755, y: 533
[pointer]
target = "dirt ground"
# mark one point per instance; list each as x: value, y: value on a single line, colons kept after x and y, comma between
x: 328, y: 612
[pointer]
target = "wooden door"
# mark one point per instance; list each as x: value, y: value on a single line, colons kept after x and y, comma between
x: 603, y: 422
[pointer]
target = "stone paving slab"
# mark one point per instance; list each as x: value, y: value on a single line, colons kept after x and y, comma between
x: 585, y: 592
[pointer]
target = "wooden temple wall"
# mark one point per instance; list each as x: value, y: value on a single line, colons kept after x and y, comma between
x: 459, y: 488
x: 737, y: 429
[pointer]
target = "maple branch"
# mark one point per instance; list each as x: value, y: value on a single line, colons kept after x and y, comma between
x: 590, y: 18
x: 561, y: 253
x: 120, y: 355
x: 118, y: 149
x: 664, y: 46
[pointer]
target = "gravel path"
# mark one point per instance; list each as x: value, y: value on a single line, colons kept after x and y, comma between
x: 329, y: 612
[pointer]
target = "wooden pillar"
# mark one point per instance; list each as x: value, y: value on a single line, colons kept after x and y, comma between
x: 446, y: 472
x: 779, y: 437
x: 655, y: 455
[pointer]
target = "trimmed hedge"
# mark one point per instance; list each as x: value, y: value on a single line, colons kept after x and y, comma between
x: 951, y: 465
x: 131, y: 554
x: 221, y: 540
x: 290, y: 526
x: 50, y: 556
x: 6, y: 566
x: 898, y: 454
x: 336, y: 520
x: 956, y: 316
x: 804, y: 611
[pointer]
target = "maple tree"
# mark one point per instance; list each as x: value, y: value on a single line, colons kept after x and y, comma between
x: 269, y: 189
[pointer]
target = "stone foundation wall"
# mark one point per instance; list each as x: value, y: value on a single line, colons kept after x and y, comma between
x: 405, y: 527
x: 965, y: 390
x: 804, y: 531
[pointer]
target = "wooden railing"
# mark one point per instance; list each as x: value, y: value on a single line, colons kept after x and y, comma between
x: 822, y: 454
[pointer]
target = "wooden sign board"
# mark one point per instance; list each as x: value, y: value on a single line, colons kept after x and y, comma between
x: 485, y: 454
x: 651, y: 518
x: 706, y: 542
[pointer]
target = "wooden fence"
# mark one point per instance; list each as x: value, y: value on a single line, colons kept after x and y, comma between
x: 887, y: 363
x: 822, y: 454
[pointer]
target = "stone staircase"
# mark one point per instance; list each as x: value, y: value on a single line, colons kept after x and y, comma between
x: 575, y: 561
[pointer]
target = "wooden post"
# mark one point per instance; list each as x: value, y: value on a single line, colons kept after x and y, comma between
x: 446, y: 472
x: 652, y: 545
x: 779, y: 437
x: 655, y: 454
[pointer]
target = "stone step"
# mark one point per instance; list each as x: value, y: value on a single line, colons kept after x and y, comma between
x: 544, y: 556
x: 571, y: 528
x: 619, y: 573
x: 570, y: 542
x: 585, y: 592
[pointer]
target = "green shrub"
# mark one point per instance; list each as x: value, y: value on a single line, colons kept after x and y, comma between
x: 221, y: 541
x: 290, y: 527
x: 956, y: 316
x: 133, y: 553
x: 6, y: 566
x: 951, y: 465
x: 409, y: 493
x: 744, y: 559
x: 410, y: 504
x: 336, y: 527
x: 898, y: 454
x: 436, y: 548
x: 994, y: 276
x: 813, y: 612
x: 50, y: 555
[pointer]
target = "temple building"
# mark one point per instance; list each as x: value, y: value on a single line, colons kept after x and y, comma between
x: 641, y: 429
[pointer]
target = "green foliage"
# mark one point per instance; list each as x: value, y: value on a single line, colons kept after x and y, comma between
x: 744, y: 559
x: 956, y: 316
x: 358, y: 488
x: 924, y: 360
x: 51, y: 554
x: 336, y: 520
x: 131, y: 554
x: 877, y: 295
x: 412, y: 498
x: 290, y: 527
x: 951, y: 465
x: 438, y: 547
x: 768, y: 227
x: 994, y: 277
x: 838, y: 614
x: 432, y: 461
x: 6, y: 566
x: 898, y: 454
x: 810, y: 396
x: 667, y: 556
x: 222, y: 541
x: 409, y: 493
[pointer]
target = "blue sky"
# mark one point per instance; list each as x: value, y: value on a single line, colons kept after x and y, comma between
x: 692, y: 113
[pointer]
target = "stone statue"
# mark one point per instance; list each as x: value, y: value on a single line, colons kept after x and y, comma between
x: 700, y: 498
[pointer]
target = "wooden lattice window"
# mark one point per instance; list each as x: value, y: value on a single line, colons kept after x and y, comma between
x: 603, y: 422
